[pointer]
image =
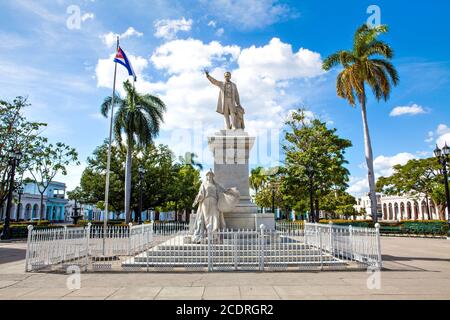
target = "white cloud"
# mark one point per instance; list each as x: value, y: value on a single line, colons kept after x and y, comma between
x: 440, y: 136
x: 168, y: 29
x: 358, y: 186
x: 220, y: 32
x: 407, y: 110
x: 180, y: 56
x: 87, y: 16
x: 110, y: 38
x: 190, y: 97
x: 443, y: 135
x: 442, y: 129
x: 430, y: 137
x: 383, y: 166
x: 277, y: 61
x: 248, y: 14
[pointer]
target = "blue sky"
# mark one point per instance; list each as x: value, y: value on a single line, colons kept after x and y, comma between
x: 273, y: 48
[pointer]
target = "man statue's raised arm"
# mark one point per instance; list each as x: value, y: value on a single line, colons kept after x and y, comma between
x: 213, y: 81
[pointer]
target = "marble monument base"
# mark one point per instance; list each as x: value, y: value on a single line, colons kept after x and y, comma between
x: 251, y: 221
x: 231, y: 151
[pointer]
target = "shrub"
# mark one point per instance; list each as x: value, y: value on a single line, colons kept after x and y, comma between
x: 430, y: 227
x: 83, y: 223
x: 353, y: 223
x: 20, y: 231
x: 27, y: 223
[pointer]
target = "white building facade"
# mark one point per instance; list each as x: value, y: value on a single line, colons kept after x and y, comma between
x: 400, y: 208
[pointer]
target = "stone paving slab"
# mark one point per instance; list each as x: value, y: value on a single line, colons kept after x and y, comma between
x: 136, y: 293
x: 182, y: 292
x: 415, y: 268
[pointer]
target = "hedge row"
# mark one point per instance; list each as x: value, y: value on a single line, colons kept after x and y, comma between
x: 20, y: 231
x: 353, y: 223
x: 27, y: 223
x: 407, y: 227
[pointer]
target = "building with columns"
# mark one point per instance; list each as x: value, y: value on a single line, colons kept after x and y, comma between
x: 399, y: 208
x: 30, y: 209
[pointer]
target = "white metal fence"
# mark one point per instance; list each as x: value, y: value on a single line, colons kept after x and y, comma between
x: 347, y: 243
x: 169, y: 247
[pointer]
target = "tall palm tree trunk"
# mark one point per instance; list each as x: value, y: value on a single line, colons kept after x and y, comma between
x: 369, y: 160
x: 128, y: 183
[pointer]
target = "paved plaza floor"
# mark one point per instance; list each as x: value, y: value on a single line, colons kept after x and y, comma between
x: 414, y: 268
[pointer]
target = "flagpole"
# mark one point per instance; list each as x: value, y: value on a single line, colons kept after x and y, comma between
x: 108, y: 165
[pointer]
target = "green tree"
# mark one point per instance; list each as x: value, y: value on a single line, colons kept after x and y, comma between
x: 76, y: 194
x: 270, y: 194
x: 339, y: 202
x: 48, y: 161
x: 19, y: 134
x: 315, y: 159
x: 368, y: 62
x: 160, y: 176
x: 93, y: 177
x: 165, y: 183
x: 418, y: 177
x: 258, y: 178
x: 139, y: 117
x: 187, y: 184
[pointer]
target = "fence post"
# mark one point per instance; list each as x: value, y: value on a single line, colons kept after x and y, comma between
x: 262, y: 228
x: 305, y: 233
x: 330, y: 224
x: 149, y: 231
x: 27, y: 257
x: 129, y: 238
x: 350, y: 230
x: 209, y: 233
x: 378, y: 244
x: 64, y: 245
x: 88, y: 235
x: 235, y: 249
x: 317, y: 229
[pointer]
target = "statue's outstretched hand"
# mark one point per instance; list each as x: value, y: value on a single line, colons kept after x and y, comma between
x: 206, y: 72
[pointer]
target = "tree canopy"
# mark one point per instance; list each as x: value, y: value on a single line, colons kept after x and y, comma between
x: 315, y: 158
x: 166, y: 183
x: 418, y: 177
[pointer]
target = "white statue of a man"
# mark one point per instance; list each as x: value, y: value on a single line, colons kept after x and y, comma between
x: 229, y: 103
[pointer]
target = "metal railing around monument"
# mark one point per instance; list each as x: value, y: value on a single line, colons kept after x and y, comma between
x: 169, y: 247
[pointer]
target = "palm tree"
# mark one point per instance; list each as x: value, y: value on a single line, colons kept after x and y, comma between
x: 361, y: 66
x: 257, y: 179
x: 139, y: 117
x: 189, y: 159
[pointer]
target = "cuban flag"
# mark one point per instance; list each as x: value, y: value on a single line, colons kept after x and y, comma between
x: 121, y: 58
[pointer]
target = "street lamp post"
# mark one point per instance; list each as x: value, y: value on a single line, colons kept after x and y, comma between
x: 14, y: 159
x: 141, y: 179
x: 20, y: 193
x: 273, y: 199
x: 442, y: 156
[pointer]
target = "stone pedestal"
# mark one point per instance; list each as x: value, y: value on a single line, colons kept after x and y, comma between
x: 231, y: 151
